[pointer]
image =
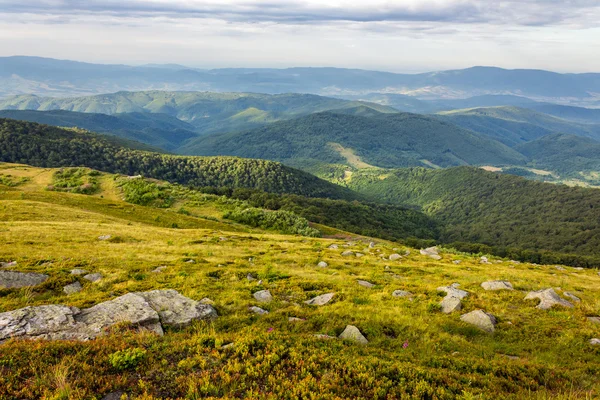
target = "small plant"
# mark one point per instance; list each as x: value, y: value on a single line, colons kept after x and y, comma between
x: 126, y: 359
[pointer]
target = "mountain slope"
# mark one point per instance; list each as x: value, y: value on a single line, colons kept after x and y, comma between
x: 386, y: 140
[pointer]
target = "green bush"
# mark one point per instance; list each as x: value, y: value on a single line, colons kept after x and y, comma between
x: 282, y: 221
x: 126, y: 359
x: 75, y: 180
x: 146, y: 193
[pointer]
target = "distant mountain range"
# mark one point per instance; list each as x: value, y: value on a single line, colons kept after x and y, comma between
x: 43, y: 76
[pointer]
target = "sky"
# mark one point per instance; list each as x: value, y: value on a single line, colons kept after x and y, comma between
x: 398, y: 36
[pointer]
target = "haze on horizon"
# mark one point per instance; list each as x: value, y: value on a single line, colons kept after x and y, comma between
x: 398, y: 36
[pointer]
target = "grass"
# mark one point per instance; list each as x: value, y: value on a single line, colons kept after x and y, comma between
x: 53, y: 232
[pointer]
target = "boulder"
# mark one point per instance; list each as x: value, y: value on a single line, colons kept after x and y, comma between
x: 176, y: 310
x: 258, y: 310
x: 484, y: 260
x: 548, y: 298
x: 93, y: 277
x: 395, y: 256
x: 47, y: 322
x: 78, y: 271
x: 14, y: 279
x: 572, y: 297
x: 497, y: 285
x: 366, y: 284
x: 431, y: 252
x: 118, y: 395
x: 333, y: 247
x: 401, y: 293
x: 480, y: 319
x: 72, y: 288
x: 452, y: 301
x: 558, y: 267
x: 322, y: 264
x: 263, y: 296
x: 348, y: 253
x: 353, y: 334
x: 320, y: 300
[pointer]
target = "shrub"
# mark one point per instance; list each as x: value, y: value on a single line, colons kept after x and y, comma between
x: 126, y: 359
x: 282, y: 221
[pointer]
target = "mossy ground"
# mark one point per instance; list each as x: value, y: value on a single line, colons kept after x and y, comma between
x: 414, y: 350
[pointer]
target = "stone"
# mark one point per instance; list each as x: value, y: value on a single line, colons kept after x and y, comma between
x: 452, y: 301
x: 320, y: 300
x: 227, y: 346
x: 250, y: 278
x: 353, y: 334
x: 78, y: 271
x: 371, y: 245
x: 431, y: 252
x: 95, y: 277
x: 348, y: 253
x: 484, y: 260
x: 395, y: 256
x: 359, y: 255
x: 548, y: 298
x: 14, y: 279
x: 263, y: 296
x: 104, y: 237
x: 176, y: 310
x: 401, y: 293
x: 578, y: 268
x: 333, y: 247
x: 595, y: 342
x: 572, y: 297
x: 258, y: 310
x: 160, y: 269
x: 72, y: 288
x: 594, y: 320
x: 558, y: 267
x: 366, y: 284
x: 190, y: 261
x: 38, y: 322
x: 497, y: 285
x: 324, y: 337
x: 8, y: 264
x: 295, y: 319
x: 481, y: 320
x: 118, y: 395
x: 322, y: 264
x: 456, y: 262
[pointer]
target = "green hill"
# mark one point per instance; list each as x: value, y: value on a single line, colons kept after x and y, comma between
x: 383, y: 140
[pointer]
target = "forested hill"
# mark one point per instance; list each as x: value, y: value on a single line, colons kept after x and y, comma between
x: 45, y: 146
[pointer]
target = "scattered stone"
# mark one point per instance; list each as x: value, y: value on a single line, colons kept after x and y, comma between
x: 401, y: 293
x: 116, y: 395
x: 395, y: 256
x: 595, y: 342
x: 250, y: 278
x: 160, y: 269
x: 295, y: 319
x: 366, y: 284
x: 497, y: 285
x: 208, y: 301
x: 548, y: 298
x: 558, y: 267
x: 359, y: 255
x: 578, y: 268
x: 511, y: 357
x: 572, y: 297
x: 104, y: 237
x: 322, y: 264
x: 407, y: 253
x: 333, y: 247
x: 222, y: 239
x: 320, y: 300
x: 93, y: 277
x: 431, y: 252
x: 8, y: 264
x: 371, y: 245
x: 324, y: 337
x: 484, y: 260
x: 347, y: 253
x: 387, y: 267
x: 480, y: 319
x: 594, y: 320
x: 353, y: 334
x: 14, y: 279
x: 456, y: 262
x: 74, y: 287
x: 452, y: 301
x: 263, y: 296
x: 258, y: 310
x: 227, y: 346
x: 78, y: 271
x: 190, y: 261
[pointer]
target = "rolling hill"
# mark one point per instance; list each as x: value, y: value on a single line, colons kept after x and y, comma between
x: 382, y: 140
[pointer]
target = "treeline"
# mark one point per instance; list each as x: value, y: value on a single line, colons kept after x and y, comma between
x: 45, y: 146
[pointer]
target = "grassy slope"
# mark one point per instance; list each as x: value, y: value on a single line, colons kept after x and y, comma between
x: 444, y: 358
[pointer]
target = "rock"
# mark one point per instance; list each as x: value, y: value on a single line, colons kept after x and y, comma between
x: 572, y: 297
x: 365, y: 284
x: 387, y: 268
x: 407, y: 253
x: 453, y: 291
x: 116, y: 395
x: 558, y: 267
x: 324, y: 337
x: 37, y: 322
x: 250, y: 278
x: 320, y: 300
x: 548, y: 298
x: 190, y: 261
x: 104, y: 237
x: 294, y: 319
x: 347, y: 253
x: 578, y: 268
x: 395, y: 256
x: 359, y: 255
x: 322, y: 264
x: 456, y: 262
x: 480, y: 319
x: 93, y: 277
x: 333, y: 247
x: 78, y: 271
x: 371, y: 245
x: 263, y: 296
x: 14, y: 279
x: 8, y: 264
x: 227, y: 346
x: 160, y: 269
x: 595, y: 342
x: 74, y: 287
x: 260, y: 282
x: 484, y: 260
x: 176, y: 310
x: 452, y: 301
x: 353, y: 334
x: 497, y: 285
x: 258, y: 310
x: 208, y: 301
x: 431, y: 252
x: 594, y: 320
x: 401, y: 293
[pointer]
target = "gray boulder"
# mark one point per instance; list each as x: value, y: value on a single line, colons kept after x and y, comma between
x: 431, y: 252
x: 395, y: 256
x: 295, y: 319
x: 481, y: 320
x: 160, y: 269
x: 548, y: 298
x: 497, y: 285
x: 14, y: 279
x: 366, y: 284
x: 320, y: 300
x: 93, y: 277
x: 401, y: 293
x: 353, y: 334
x: 263, y: 296
x: 348, y: 253
x: 452, y: 301
x: 258, y: 310
x: 47, y: 322
x: 333, y: 247
x: 78, y: 271
x: 72, y: 288
x: 176, y: 310
x: 359, y: 255
x: 322, y: 264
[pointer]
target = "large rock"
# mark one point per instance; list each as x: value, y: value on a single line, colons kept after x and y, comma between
x: 263, y: 296
x: 176, y: 310
x: 320, y: 300
x: 594, y: 320
x: 431, y: 252
x: 48, y: 322
x: 481, y: 320
x: 452, y: 301
x: 14, y: 279
x: 497, y: 285
x: 353, y: 334
x: 548, y: 298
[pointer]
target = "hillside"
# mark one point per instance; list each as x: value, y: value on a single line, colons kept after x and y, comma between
x: 40, y: 145
x: 264, y: 339
x: 384, y: 140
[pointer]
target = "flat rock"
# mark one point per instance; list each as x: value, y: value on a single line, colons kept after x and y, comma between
x: 453, y: 291
x: 365, y: 284
x: 258, y: 310
x: 348, y: 253
x: 481, y: 320
x: 104, y: 237
x: 322, y: 264
x: 160, y: 269
x: 595, y: 342
x: 176, y: 310
x: 333, y: 247
x: 95, y: 277
x: 320, y: 300
x: 395, y: 256
x: 324, y: 337
x: 72, y: 288
x: 295, y: 319
x: 353, y: 334
x: 431, y: 252
x: 401, y: 293
x: 548, y: 298
x: 8, y: 264
x: 263, y: 296
x: 359, y: 255
x: 572, y: 297
x: 78, y: 271
x: 14, y: 279
x: 38, y: 322
x: 497, y: 285
x: 558, y: 267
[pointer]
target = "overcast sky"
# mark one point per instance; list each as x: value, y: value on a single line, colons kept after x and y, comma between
x: 399, y: 35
